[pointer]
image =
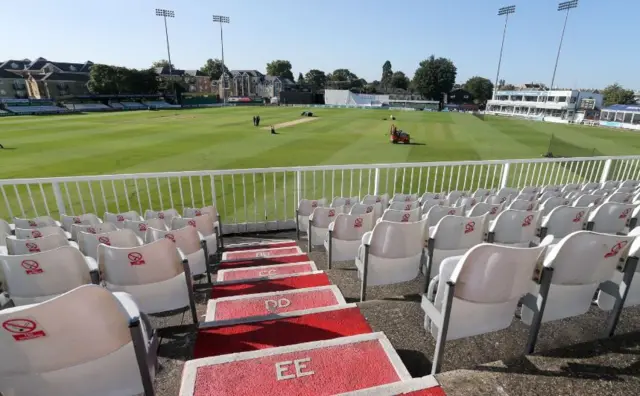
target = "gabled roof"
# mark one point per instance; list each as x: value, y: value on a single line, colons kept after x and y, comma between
x: 252, y: 73
x: 66, y: 77
x: 65, y: 67
x: 283, y: 80
x: 195, y: 73
x: 164, y: 71
x: 8, y: 74
x: 13, y: 65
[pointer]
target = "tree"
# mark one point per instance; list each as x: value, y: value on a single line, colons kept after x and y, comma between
x: 113, y: 80
x: 102, y: 80
x: 399, y: 80
x: 434, y: 77
x: 616, y: 94
x: 280, y: 68
x: 162, y: 63
x: 501, y: 83
x: 344, y: 79
x: 387, y: 74
x: 316, y: 78
x: 213, y: 68
x: 300, y: 79
x: 508, y: 87
x: 481, y: 88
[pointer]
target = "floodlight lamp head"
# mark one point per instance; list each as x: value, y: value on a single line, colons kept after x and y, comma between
x: 507, y: 10
x: 221, y: 19
x: 165, y: 13
x: 567, y: 5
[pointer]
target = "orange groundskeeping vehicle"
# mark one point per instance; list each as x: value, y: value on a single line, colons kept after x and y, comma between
x: 397, y: 136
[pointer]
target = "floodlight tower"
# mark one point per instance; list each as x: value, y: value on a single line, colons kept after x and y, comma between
x: 222, y: 19
x: 166, y: 14
x: 564, y: 6
x: 503, y: 11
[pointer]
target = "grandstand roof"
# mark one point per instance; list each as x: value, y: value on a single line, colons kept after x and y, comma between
x: 65, y: 77
x: 285, y: 81
x: 8, y: 74
x: 633, y: 108
x: 41, y: 63
x: 12, y: 64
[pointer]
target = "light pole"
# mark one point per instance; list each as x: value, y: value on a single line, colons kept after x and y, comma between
x: 564, y: 6
x: 502, y: 11
x: 166, y: 14
x: 222, y: 19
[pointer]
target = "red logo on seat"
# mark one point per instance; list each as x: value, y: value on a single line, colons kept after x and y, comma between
x: 578, y: 217
x: 135, y: 258
x: 451, y: 212
x: 142, y: 227
x: 407, y: 207
x: 32, y: 223
x: 378, y: 199
x: 405, y: 217
x: 91, y: 230
x: 23, y: 329
x: 469, y: 227
x: 32, y: 247
x: 616, y: 249
x: 170, y: 236
x: 407, y: 198
x: 192, y: 223
x: 160, y: 215
x: 358, y: 222
x: 120, y: 218
x: 198, y: 213
x: 527, y: 221
x: 625, y: 213
x: 105, y: 240
x: 314, y: 204
x: 36, y: 234
x: 493, y: 210
x: 369, y: 209
x: 31, y: 267
x: 76, y: 220
x: 332, y: 212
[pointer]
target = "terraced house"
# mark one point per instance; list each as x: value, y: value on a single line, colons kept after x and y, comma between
x: 252, y: 83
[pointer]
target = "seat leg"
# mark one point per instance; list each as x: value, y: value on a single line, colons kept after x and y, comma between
x: 365, y: 271
x: 538, y: 308
x: 621, y: 297
x: 205, y: 249
x: 192, y: 300
x: 330, y: 250
x: 443, y: 328
x: 140, y: 350
x: 297, y: 226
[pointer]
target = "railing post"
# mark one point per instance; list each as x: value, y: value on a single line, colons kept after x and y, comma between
x: 605, y: 170
x: 505, y: 175
x: 59, y: 200
x: 298, y: 187
x: 376, y: 182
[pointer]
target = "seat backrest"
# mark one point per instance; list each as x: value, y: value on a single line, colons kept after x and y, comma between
x: 436, y: 213
x: 551, y: 203
x: 398, y: 240
x: 306, y: 206
x: 432, y: 196
x: 99, y: 328
x: 86, y: 219
x: 383, y: 199
x: 458, y: 232
x: 322, y: 217
x: 5, y: 227
x: 482, y: 208
x: 360, y: 208
x: 627, y: 190
x: 549, y: 194
x: 404, y: 198
x: 586, y: 257
x: 186, y: 238
x: 119, y: 218
x: 551, y: 188
x: 515, y: 226
x: 212, y: 211
x: 140, y: 227
x: 88, y: 243
x: 165, y: 215
x: 599, y: 192
x: 203, y: 224
x: 429, y: 202
x: 151, y: 263
x: 466, y: 202
x: 525, y: 197
x: 35, y: 245
x: 453, y: 196
x: 564, y: 220
x: 346, y: 202
x: 91, y: 229
x: 32, y: 233
x: 505, y: 192
x: 520, y: 204
x: 36, y: 222
x: 401, y: 216
x: 404, y: 205
x: 611, y: 217
x: 44, y: 274
x: 481, y: 193
x: 619, y: 197
x: 530, y: 190
x: 590, y: 186
x: 629, y: 183
x: 493, y: 274
x: 571, y: 187
x: 351, y: 227
x: 610, y: 185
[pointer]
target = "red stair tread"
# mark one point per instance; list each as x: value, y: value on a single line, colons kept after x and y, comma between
x: 270, y: 285
x: 261, y: 246
x: 280, y: 332
x: 296, y: 258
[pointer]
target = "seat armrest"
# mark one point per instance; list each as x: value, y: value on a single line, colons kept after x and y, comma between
x: 128, y: 304
x: 91, y: 263
x: 366, y: 238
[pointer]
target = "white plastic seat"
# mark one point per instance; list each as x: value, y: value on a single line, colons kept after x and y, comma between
x: 551, y: 203
x: 525, y: 197
x: 391, y: 253
x: 507, y: 194
x: 600, y: 192
x: 214, y: 215
x: 319, y: 224
x: 401, y: 216
x: 520, y: 204
x: 119, y: 218
x: 36, y: 245
x: 572, y: 271
x: 589, y: 187
x: 436, y: 213
x: 204, y: 226
x: 91, y: 229
x: 383, y: 199
x: 140, y: 227
x: 88, y: 243
x: 33, y: 278
x: 36, y: 222
x: 427, y: 203
x: 190, y: 243
x: 404, y: 198
x: 452, y: 236
x: 3, y: 243
x: 29, y: 233
x: 345, y: 235
x: 305, y: 208
x: 87, y: 341
x: 571, y: 187
x: 627, y: 190
x: 610, y: 218
x: 530, y: 190
x: 477, y: 293
x: 549, y: 194
x: 453, y: 196
x: 482, y: 208
x: 630, y: 183
x: 619, y: 197
x: 516, y: 228
x: 166, y: 215
x: 481, y: 193
x: 5, y: 227
x: 564, y: 220
x: 551, y: 188
x: 607, y: 295
x: 431, y: 196
x: 85, y: 219
x: 155, y: 274
x: 610, y: 185
x: 466, y: 203
x: 404, y: 205
x: 345, y: 203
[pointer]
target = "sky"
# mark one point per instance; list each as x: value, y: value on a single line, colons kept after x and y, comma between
x: 359, y: 35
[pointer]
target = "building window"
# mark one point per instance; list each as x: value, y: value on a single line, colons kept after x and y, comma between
x: 573, y: 99
x: 562, y: 99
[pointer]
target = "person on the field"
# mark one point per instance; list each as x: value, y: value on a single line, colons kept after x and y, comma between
x: 273, y: 130
x: 257, y: 120
x: 254, y: 121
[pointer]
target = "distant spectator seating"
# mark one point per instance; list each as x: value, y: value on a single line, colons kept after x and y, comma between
x: 49, y: 109
x: 160, y: 104
x: 87, y: 107
x: 133, y: 106
x: 116, y: 106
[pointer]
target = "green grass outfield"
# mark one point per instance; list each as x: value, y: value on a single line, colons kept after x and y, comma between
x: 212, y: 139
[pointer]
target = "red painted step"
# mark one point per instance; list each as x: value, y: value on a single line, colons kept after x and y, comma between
x: 301, y: 281
x: 425, y: 386
x: 315, y: 368
x: 296, y: 258
x: 266, y: 271
x: 267, y: 304
x: 260, y: 245
x: 253, y: 254
x: 291, y: 328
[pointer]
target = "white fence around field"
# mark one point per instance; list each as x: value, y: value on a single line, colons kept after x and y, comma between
x: 252, y: 200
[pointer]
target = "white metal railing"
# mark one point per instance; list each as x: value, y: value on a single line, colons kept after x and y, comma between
x: 266, y: 199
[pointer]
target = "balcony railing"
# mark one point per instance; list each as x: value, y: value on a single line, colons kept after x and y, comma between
x: 266, y: 199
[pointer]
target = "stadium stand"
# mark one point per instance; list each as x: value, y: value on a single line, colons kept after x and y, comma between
x: 87, y: 107
x: 160, y: 104
x: 116, y: 105
x: 32, y: 106
x: 133, y: 106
